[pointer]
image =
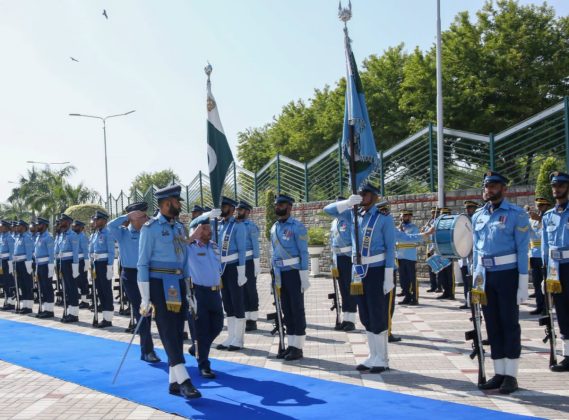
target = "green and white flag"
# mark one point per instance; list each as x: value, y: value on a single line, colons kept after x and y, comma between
x: 219, y: 154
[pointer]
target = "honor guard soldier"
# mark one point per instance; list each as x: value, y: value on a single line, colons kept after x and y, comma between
x: 102, y: 251
x: 373, y: 274
x: 45, y: 260
x: 555, y: 251
x: 252, y: 265
x: 23, y: 252
x: 341, y: 242
x: 535, y: 259
x: 68, y: 254
x: 162, y: 273
x: 204, y: 261
x: 500, y: 256
x: 465, y: 264
x: 83, y: 283
x: 406, y: 253
x: 290, y: 264
x: 7, y: 271
x: 232, y: 241
x: 127, y: 238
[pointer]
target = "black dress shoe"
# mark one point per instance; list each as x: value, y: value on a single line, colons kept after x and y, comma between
x: 378, y: 369
x: 443, y: 296
x: 362, y: 368
x: 282, y: 353
x: 439, y: 290
x: 431, y: 290
x: 187, y: 390
x: 531, y: 296
x: 562, y: 366
x: 463, y: 306
x: 486, y: 342
x: 393, y: 338
x: 8, y: 307
x: 221, y: 347
x: 174, y: 388
x: 509, y: 385
x: 250, y: 325
x: 24, y: 311
x: 150, y: 357
x: 400, y: 294
x: 494, y: 383
x: 405, y: 301
x: 350, y: 326
x: 413, y: 302
x: 537, y: 311
x: 45, y: 315
x: 129, y: 329
x: 207, y: 373
x: 192, y: 350
x: 294, y: 354
x: 233, y: 348
x: 83, y: 305
x: 104, y: 324
x: 450, y: 297
x: 67, y: 319
x: 340, y: 326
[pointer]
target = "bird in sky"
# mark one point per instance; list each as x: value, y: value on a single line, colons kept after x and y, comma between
x: 74, y: 59
x: 105, y: 14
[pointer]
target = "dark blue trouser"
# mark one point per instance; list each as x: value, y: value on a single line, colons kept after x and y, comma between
x: 104, y: 286
x: 71, y: 292
x: 536, y: 265
x: 344, y: 264
x: 561, y: 301
x: 233, y: 296
x: 408, y: 278
x: 292, y: 302
x: 82, y: 282
x: 446, y: 280
x: 373, y: 306
x: 250, y: 293
x: 25, y: 282
x: 466, y: 282
x: 130, y: 284
x: 433, y: 279
x: 45, y: 282
x: 170, y: 324
x: 502, y: 314
x: 8, y: 280
x: 209, y: 322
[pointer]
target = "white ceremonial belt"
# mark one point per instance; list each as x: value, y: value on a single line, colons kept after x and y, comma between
x: 373, y: 259
x: 249, y: 253
x: 65, y: 254
x: 559, y: 254
x: 97, y: 257
x: 229, y: 258
x: 287, y: 263
x: 19, y: 258
x: 342, y: 250
x: 496, y: 261
x: 5, y: 255
x: 42, y: 259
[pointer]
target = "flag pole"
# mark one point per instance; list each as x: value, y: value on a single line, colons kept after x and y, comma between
x: 440, y: 126
x: 208, y: 69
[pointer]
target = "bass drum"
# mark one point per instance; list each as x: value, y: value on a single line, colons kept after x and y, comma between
x: 453, y: 236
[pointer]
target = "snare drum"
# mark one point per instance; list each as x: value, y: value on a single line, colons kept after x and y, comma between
x: 453, y: 236
x: 438, y: 263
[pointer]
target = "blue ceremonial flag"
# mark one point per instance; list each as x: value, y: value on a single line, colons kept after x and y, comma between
x: 356, y: 117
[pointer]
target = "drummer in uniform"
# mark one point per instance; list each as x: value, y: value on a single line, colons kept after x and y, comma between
x: 465, y: 264
x: 535, y: 259
x: 406, y: 252
x: 500, y: 256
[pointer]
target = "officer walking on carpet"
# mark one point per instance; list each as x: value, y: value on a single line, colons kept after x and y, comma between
x: 102, y: 252
x: 162, y: 273
x: 500, y: 258
x: 127, y: 238
x: 45, y: 260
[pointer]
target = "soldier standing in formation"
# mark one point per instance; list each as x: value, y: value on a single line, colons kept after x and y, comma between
x: 45, y: 260
x: 102, y: 252
x: 406, y: 251
x: 23, y: 252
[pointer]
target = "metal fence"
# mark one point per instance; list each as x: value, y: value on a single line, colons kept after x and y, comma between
x: 407, y: 167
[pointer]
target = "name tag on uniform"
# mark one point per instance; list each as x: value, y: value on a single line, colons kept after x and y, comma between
x: 201, y: 254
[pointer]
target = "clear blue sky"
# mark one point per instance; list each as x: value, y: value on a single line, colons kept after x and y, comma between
x: 149, y: 56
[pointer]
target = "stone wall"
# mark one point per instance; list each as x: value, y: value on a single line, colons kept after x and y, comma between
x: 311, y: 215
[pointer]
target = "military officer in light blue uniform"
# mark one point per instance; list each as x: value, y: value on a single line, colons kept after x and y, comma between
x: 68, y: 255
x: 45, y: 260
x: 23, y: 254
x: 232, y: 242
x: 6, y: 254
x: 406, y: 253
x: 289, y: 241
x: 555, y: 253
x: 535, y: 260
x: 125, y: 230
x: 83, y: 283
x: 500, y: 260
x: 373, y: 274
x: 102, y: 252
x: 204, y: 262
x: 162, y: 274
x: 252, y: 265
x: 341, y: 242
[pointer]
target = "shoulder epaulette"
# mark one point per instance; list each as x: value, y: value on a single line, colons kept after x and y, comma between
x: 150, y: 221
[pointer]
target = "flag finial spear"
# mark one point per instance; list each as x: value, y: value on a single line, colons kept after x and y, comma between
x: 345, y: 13
x: 208, y: 69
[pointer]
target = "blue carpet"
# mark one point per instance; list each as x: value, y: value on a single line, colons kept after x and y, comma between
x: 239, y: 392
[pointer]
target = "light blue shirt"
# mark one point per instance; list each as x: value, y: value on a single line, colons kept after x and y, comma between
x: 24, y: 245
x: 67, y: 242
x: 102, y: 242
x: 44, y: 247
x: 237, y: 240
x: 7, y: 245
x: 128, y: 239
x: 83, y: 246
x: 504, y: 231
x: 204, y: 264
x: 290, y: 240
x: 340, y: 231
x: 252, y: 239
x: 162, y: 243
x: 406, y: 247
x: 535, y: 228
x: 555, y: 232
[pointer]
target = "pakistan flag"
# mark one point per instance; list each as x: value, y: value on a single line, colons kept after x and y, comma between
x: 219, y: 154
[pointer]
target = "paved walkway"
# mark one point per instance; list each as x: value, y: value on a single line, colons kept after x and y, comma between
x: 432, y: 361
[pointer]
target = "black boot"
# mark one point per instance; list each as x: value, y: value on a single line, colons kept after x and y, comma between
x: 207, y: 373
x: 378, y: 369
x: 340, y: 326
x: 494, y: 383
x: 187, y: 390
x: 250, y: 325
x: 83, y: 305
x: 174, y: 388
x: 349, y: 326
x: 509, y: 385
x: 393, y: 338
x: 562, y: 366
x: 150, y: 357
x: 45, y: 315
x: 283, y: 353
x: 104, y: 323
x: 68, y: 319
x: 405, y: 301
x: 24, y: 311
x: 294, y: 354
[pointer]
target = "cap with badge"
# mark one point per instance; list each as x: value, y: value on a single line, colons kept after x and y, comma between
x: 283, y: 198
x: 42, y: 221
x: 542, y: 201
x: 369, y: 188
x: 226, y: 201
x: 64, y: 217
x: 445, y: 210
x: 197, y: 208
x: 6, y: 223
x: 557, y: 177
x: 101, y: 215
x: 78, y: 223
x: 173, y: 191
x: 244, y: 205
x: 138, y: 206
x: 22, y: 223
x: 470, y: 203
x: 406, y: 212
x: 493, y: 177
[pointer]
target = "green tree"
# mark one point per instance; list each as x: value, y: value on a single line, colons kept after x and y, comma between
x: 159, y: 179
x: 543, y: 187
x: 270, y: 216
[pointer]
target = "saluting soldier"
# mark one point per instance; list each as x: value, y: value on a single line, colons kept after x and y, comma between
x: 555, y: 251
x: 465, y: 264
x: 252, y: 265
x: 23, y: 252
x: 162, y: 273
x: 500, y: 256
x: 341, y: 237
x: 232, y: 241
x: 83, y: 282
x: 125, y: 230
x: 406, y: 252
x: 102, y: 250
x: 45, y: 260
x: 68, y: 254
x: 535, y: 259
x: 6, y: 255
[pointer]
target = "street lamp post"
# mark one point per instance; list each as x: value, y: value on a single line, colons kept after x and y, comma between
x: 104, y: 120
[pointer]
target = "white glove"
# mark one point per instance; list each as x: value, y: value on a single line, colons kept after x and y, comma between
x: 11, y: 267
x: 28, y: 266
x: 145, y: 305
x: 110, y: 272
x: 214, y: 213
x: 522, y: 295
x: 241, y: 277
x: 75, y: 270
x: 86, y: 265
x: 304, y: 282
x: 344, y: 205
x: 388, y: 280
x: 193, y: 304
x: 257, y: 263
x: 50, y: 270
